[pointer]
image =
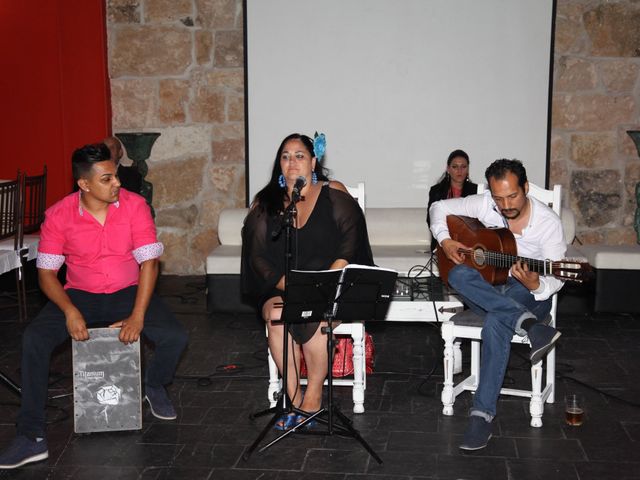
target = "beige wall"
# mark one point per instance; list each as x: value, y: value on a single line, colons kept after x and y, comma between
x: 176, y: 67
x: 595, y: 100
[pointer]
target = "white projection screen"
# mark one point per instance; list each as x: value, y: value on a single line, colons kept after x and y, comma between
x: 396, y: 85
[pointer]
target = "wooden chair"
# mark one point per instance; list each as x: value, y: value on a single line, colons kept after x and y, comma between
x: 357, y: 332
x: 34, y: 201
x: 468, y: 325
x: 11, y: 196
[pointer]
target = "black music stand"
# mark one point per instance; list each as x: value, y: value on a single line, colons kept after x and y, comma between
x: 355, y: 293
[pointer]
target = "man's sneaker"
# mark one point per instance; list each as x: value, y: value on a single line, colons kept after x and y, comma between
x: 160, y: 404
x: 542, y: 337
x: 23, y: 450
x: 477, y: 434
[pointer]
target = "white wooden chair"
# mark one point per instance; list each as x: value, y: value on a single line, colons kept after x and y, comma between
x: 467, y: 325
x: 354, y: 329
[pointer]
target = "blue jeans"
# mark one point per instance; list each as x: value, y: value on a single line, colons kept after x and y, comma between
x: 48, y: 330
x: 503, y: 307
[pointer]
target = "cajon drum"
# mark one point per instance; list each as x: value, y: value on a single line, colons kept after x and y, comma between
x: 106, y: 383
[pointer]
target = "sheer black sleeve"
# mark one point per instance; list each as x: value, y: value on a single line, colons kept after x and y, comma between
x: 260, y: 269
x: 354, y: 244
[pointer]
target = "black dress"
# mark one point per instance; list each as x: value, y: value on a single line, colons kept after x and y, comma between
x: 335, y: 229
x: 440, y: 191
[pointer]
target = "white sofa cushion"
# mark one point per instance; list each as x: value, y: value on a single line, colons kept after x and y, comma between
x: 614, y: 257
x: 224, y: 259
x: 401, y: 258
x: 568, y: 224
x: 230, y: 226
x: 398, y: 226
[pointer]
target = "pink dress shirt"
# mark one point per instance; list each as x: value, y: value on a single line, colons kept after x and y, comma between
x: 100, y: 258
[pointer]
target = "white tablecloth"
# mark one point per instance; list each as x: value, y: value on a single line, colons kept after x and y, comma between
x: 31, y: 242
x: 9, y: 260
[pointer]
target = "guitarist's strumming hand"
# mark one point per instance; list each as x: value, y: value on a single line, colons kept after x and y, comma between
x: 452, y: 249
x: 520, y: 271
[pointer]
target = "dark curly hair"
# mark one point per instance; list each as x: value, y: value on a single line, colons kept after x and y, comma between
x: 499, y: 169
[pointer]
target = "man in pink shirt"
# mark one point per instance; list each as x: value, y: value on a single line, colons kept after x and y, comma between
x: 107, y: 238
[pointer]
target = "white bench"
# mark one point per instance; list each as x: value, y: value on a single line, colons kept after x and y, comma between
x: 617, y: 269
x: 399, y: 240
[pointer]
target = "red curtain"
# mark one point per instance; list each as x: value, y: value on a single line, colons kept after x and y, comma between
x: 54, y: 86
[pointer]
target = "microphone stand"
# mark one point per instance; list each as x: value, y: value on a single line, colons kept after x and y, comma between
x: 285, y: 404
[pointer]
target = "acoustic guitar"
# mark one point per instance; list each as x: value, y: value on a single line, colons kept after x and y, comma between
x: 494, y: 250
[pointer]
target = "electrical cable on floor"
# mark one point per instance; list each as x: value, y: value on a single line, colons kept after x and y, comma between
x: 600, y: 391
x: 424, y: 382
x: 417, y: 291
x: 563, y: 376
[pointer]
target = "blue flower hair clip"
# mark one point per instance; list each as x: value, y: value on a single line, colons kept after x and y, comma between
x: 319, y: 145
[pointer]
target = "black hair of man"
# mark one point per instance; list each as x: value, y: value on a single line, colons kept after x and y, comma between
x: 499, y: 169
x: 84, y: 158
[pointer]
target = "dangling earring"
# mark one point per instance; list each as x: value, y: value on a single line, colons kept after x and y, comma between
x: 314, y: 178
x: 281, y: 181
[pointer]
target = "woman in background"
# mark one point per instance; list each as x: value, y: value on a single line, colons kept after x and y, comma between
x: 454, y: 183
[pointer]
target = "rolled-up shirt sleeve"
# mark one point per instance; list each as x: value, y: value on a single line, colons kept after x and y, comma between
x: 554, y: 247
x: 143, y: 229
x: 148, y: 252
x: 51, y: 244
x: 49, y: 261
x: 471, y: 206
x: 143, y: 232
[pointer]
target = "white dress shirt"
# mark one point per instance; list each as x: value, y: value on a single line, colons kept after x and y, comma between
x: 542, y: 238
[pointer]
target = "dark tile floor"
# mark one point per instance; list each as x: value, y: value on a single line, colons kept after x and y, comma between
x: 402, y: 423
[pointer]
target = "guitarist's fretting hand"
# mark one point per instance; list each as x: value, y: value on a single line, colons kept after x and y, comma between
x: 452, y: 250
x: 520, y: 271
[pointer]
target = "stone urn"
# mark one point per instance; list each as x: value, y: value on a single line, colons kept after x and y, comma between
x: 139, y: 145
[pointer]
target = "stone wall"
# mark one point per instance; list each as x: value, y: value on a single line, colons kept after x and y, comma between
x: 596, y: 98
x: 176, y: 67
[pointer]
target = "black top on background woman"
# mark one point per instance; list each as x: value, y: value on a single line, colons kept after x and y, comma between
x: 329, y: 233
x: 454, y: 183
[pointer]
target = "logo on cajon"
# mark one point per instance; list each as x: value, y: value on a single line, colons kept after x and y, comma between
x: 109, y: 395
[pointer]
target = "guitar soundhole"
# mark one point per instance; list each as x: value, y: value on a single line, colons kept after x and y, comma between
x: 479, y: 257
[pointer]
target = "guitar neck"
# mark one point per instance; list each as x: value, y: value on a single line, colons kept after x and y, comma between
x: 504, y: 260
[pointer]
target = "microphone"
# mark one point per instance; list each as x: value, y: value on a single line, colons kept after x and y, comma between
x: 299, y: 185
x: 297, y: 188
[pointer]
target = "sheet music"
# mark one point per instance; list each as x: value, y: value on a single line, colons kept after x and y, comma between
x: 355, y: 292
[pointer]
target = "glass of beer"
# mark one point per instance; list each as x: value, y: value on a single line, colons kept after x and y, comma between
x: 573, y: 409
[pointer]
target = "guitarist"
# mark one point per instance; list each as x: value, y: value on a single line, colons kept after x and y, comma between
x: 524, y: 301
